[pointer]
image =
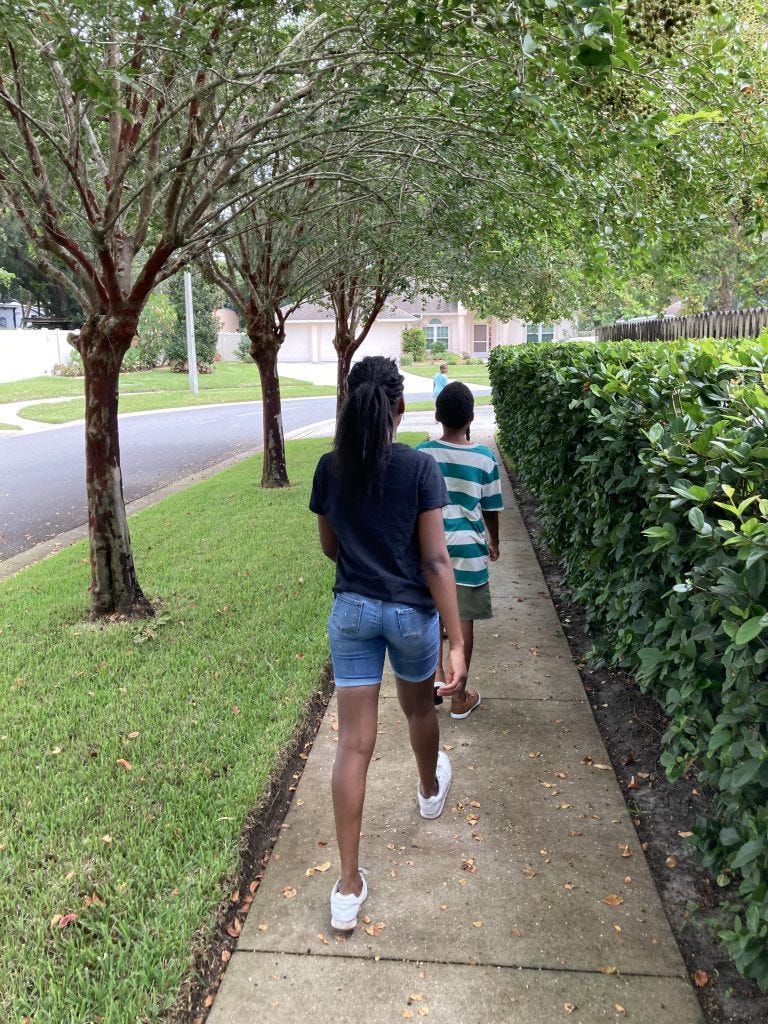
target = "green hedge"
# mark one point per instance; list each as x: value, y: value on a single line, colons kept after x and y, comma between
x: 650, y: 462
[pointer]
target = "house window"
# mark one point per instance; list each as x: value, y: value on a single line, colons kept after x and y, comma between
x: 539, y: 332
x: 435, y: 330
x: 480, y: 339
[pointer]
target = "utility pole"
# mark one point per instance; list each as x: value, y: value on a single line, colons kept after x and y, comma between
x: 191, y: 351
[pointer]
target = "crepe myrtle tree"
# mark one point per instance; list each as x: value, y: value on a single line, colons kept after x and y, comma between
x: 261, y: 265
x: 268, y: 262
x: 127, y: 132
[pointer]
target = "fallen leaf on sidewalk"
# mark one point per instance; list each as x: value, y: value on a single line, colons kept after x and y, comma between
x: 477, y: 924
x: 625, y: 850
x: 375, y: 930
x: 602, y: 767
x: 614, y: 900
x: 263, y: 926
x: 408, y: 1014
x: 423, y: 1011
x: 529, y: 872
x: 619, y: 1008
x: 569, y: 1007
x: 323, y: 938
x: 700, y: 979
x: 608, y: 969
x: 534, y: 753
x: 288, y: 891
x: 416, y: 997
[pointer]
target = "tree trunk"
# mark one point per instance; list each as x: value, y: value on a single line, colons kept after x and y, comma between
x: 114, y: 587
x: 264, y: 352
x: 345, y: 347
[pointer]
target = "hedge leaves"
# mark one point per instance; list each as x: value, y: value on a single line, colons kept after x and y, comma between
x: 650, y: 463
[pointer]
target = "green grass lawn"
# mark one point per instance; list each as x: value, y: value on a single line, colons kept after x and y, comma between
x: 71, y: 410
x: 9, y: 426
x: 429, y: 404
x: 131, y: 754
x: 225, y: 376
x: 470, y: 373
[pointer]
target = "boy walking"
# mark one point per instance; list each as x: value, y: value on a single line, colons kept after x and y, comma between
x: 440, y: 380
x: 472, y: 477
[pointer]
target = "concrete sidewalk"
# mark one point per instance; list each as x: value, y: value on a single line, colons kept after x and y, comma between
x: 529, y: 901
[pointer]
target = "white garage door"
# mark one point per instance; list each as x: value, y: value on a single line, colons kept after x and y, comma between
x: 295, y: 348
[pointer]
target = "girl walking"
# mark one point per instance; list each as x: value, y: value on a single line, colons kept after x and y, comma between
x: 379, y: 508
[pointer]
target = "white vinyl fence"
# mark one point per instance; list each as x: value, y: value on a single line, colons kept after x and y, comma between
x: 32, y: 352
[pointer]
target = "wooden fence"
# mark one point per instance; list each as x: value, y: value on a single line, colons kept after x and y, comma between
x: 718, y: 323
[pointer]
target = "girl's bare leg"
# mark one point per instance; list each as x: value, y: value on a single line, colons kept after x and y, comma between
x: 358, y: 721
x: 418, y: 702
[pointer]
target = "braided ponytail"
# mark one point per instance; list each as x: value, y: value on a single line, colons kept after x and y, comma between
x: 366, y: 422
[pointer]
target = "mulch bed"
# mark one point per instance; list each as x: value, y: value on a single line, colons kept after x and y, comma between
x: 631, y: 724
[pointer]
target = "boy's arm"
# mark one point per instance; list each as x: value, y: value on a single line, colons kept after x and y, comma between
x: 491, y: 520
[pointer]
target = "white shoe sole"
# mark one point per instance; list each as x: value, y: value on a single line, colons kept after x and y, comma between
x: 344, y: 926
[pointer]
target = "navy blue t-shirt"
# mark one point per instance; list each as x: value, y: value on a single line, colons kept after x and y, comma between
x: 378, y: 552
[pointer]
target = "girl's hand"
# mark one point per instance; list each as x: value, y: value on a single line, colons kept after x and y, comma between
x: 455, y: 675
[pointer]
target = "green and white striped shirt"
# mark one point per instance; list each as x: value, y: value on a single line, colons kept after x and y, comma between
x: 471, y: 475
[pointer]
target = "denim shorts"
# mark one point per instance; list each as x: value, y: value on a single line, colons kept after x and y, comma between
x: 361, y: 630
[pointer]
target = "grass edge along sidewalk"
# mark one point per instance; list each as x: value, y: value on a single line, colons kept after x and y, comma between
x: 132, y: 753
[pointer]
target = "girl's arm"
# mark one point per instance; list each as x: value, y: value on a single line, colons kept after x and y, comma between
x: 329, y: 542
x: 438, y: 575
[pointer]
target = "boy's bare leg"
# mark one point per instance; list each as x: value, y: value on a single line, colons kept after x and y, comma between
x: 468, y: 632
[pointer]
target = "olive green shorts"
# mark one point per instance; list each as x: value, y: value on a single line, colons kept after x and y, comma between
x: 475, y: 602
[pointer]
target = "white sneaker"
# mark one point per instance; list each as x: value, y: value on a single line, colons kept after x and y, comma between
x: 432, y: 806
x: 344, y: 907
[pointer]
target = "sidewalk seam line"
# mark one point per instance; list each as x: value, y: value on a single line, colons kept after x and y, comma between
x: 465, y: 963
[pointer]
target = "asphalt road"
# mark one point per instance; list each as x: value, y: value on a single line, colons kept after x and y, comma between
x: 42, y: 474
